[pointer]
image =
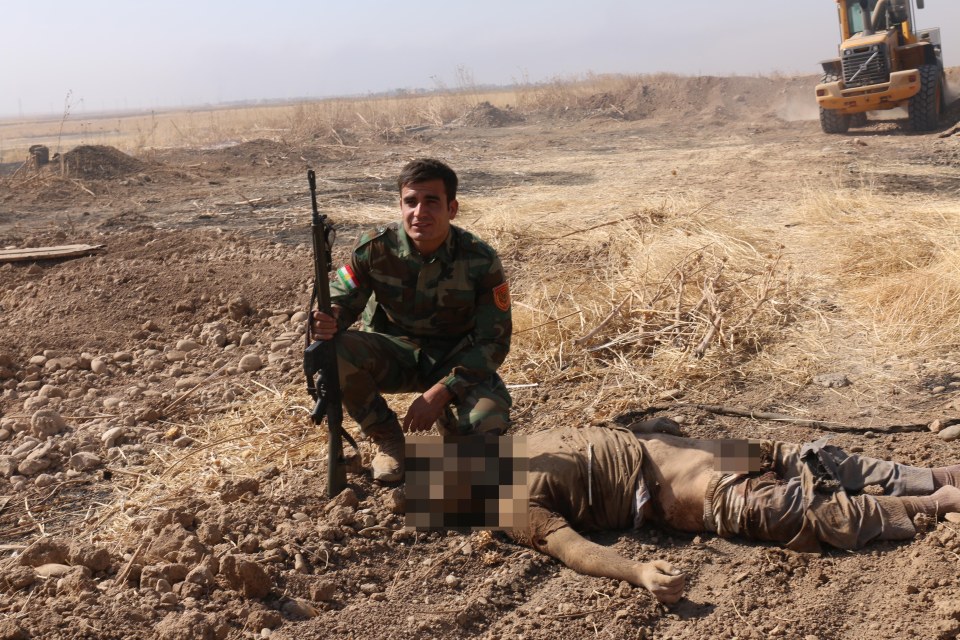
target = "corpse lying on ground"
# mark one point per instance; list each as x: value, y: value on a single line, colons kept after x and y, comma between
x: 798, y: 495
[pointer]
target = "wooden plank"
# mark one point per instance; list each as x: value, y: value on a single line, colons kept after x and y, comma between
x: 48, y: 253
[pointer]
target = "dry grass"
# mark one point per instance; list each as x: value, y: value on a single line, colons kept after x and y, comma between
x: 337, y: 121
x: 637, y: 303
x: 894, y: 262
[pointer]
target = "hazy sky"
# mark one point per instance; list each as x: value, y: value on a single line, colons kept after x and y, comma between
x: 141, y: 55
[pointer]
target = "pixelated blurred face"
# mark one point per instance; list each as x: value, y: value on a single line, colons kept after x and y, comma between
x: 426, y: 214
x: 737, y: 456
x: 466, y: 483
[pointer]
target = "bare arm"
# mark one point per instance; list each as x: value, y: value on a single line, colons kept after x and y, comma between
x: 659, y: 577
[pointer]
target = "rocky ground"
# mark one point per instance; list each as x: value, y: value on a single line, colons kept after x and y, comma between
x: 159, y: 476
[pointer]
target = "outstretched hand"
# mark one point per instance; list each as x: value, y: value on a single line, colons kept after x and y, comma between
x: 663, y: 580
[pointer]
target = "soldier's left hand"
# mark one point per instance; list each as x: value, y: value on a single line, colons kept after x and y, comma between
x: 425, y: 410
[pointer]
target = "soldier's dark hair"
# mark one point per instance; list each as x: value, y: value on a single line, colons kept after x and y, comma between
x: 426, y: 169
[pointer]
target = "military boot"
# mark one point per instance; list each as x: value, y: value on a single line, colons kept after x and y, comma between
x: 387, y: 437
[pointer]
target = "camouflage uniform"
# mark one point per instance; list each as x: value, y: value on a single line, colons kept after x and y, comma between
x: 444, y: 319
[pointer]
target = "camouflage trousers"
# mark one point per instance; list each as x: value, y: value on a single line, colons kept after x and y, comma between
x: 371, y: 364
x: 812, y: 493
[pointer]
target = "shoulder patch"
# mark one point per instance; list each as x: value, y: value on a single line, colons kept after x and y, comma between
x: 501, y: 296
x: 346, y: 277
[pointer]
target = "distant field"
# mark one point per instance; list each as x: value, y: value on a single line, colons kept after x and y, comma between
x: 138, y: 132
x: 326, y: 120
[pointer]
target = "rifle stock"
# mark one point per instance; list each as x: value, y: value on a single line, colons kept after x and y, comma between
x: 320, y: 356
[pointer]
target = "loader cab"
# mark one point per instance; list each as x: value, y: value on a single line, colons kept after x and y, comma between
x: 866, y: 17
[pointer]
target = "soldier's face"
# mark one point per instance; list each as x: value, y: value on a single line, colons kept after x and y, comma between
x: 426, y: 214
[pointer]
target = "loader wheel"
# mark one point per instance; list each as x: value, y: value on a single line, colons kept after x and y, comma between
x: 833, y: 121
x: 859, y: 119
x: 923, y: 111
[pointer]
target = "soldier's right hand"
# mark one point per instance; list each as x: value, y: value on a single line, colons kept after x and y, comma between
x: 322, y: 325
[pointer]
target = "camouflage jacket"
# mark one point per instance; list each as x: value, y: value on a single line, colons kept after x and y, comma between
x: 455, y: 302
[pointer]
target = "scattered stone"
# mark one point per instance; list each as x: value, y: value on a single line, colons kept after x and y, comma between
x: 98, y: 366
x: 76, y: 581
x: 299, y: 317
x: 346, y: 498
x: 10, y: 630
x: 452, y: 581
x: 245, y: 576
x: 53, y: 570
x: 183, y: 442
x: 175, y: 355
x: 51, y: 391
x: 238, y: 308
x: 148, y: 415
x: 35, y: 403
x: 831, y: 380
x: 250, y: 362
x: 950, y: 433
x: 8, y: 466
x: 16, y: 578
x: 95, y: 558
x: 300, y: 564
x: 953, y: 517
x: 935, y: 426
x: 175, y: 544
x: 395, y: 501
x: 188, y: 625
x: 46, y: 422
x: 85, y: 461
x: 44, y: 480
x: 188, y: 383
x: 110, y: 437
x: 32, y: 466
x: 323, y: 590
x: 368, y: 588
x: 246, y: 339
x: 232, y: 490
x: 277, y: 320
x: 366, y: 521
x: 261, y: 618
x: 299, y: 609
x: 341, y: 516
x: 670, y: 394
x: 249, y: 544
x: 186, y: 346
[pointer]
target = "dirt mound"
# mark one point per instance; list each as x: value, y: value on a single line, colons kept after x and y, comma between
x: 487, y: 115
x: 100, y: 162
x: 666, y: 95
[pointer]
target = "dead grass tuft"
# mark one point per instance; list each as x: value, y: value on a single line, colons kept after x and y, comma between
x: 639, y: 303
x: 889, y: 259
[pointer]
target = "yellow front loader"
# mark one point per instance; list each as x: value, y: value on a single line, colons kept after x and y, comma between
x: 884, y: 63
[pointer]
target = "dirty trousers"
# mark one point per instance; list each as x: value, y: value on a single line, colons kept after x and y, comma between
x: 810, y: 494
x: 374, y: 363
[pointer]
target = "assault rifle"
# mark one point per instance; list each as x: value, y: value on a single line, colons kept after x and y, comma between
x: 320, y: 356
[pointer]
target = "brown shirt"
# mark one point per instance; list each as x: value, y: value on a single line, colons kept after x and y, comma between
x: 559, y: 469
